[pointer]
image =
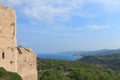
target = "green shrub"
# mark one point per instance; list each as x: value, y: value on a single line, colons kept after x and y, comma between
x: 5, y: 75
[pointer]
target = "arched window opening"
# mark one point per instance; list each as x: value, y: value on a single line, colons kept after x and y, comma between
x: 3, y: 55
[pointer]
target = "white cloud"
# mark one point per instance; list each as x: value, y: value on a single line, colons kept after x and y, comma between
x: 108, y: 5
x: 55, y: 10
x: 107, y: 2
x: 97, y: 27
x: 52, y: 10
x: 11, y: 2
x: 48, y: 10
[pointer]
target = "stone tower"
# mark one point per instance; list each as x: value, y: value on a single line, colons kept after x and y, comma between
x: 13, y: 58
x: 8, y: 38
x: 7, y: 27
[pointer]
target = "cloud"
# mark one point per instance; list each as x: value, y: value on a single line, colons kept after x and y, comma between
x: 48, y: 10
x: 107, y: 2
x: 11, y: 2
x: 108, y: 5
x: 97, y: 27
x: 52, y: 10
x: 60, y: 10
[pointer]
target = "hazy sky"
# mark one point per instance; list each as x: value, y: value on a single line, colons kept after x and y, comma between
x: 67, y: 25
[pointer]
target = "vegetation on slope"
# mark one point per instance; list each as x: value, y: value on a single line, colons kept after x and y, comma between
x: 5, y: 75
x: 111, y: 62
x: 73, y: 70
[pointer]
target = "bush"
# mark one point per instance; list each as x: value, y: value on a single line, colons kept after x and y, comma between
x: 5, y: 75
x: 53, y: 75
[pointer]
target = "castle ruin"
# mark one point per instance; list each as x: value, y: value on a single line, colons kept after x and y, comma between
x: 13, y: 58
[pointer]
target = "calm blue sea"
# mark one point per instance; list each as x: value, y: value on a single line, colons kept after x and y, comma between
x: 58, y: 56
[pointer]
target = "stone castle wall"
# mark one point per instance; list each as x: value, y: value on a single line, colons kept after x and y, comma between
x: 7, y: 27
x: 13, y: 58
x: 27, y: 64
x: 8, y: 59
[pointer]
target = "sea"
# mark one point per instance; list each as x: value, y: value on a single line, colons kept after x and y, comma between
x: 58, y: 56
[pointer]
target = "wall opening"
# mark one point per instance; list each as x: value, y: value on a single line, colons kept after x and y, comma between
x: 11, y: 62
x: 0, y: 31
x: 3, y: 55
x: 13, y: 29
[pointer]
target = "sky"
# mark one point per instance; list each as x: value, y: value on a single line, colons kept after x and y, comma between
x: 50, y: 26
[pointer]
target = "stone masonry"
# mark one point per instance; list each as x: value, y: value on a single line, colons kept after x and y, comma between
x: 13, y: 58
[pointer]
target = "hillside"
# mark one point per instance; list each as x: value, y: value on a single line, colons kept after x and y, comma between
x: 5, y: 75
x: 107, y: 61
x: 51, y: 69
x: 94, y: 53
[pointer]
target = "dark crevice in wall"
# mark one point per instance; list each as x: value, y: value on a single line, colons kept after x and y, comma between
x: 20, y: 52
